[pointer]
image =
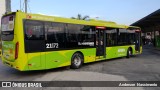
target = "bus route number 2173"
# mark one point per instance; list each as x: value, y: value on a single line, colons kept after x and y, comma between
x: 52, y: 45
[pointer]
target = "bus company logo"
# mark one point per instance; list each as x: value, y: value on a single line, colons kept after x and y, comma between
x: 28, y: 16
x: 86, y: 43
x: 6, y: 84
x: 121, y: 50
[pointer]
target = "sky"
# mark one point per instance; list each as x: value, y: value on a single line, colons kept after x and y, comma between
x: 120, y: 11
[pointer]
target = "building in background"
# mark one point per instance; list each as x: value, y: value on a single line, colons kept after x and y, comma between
x: 5, y: 6
x: 150, y: 25
x: 2, y: 8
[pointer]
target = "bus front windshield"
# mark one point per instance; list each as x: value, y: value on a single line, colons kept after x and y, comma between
x: 7, y: 24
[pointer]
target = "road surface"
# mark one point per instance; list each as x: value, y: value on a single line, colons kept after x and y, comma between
x: 144, y: 67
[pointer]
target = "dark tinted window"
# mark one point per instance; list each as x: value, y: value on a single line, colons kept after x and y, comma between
x: 126, y: 37
x: 34, y: 30
x: 88, y: 34
x: 73, y: 35
x: 122, y: 39
x: 111, y: 37
x: 73, y: 32
x: 79, y: 36
x: 34, y: 36
x: 55, y: 34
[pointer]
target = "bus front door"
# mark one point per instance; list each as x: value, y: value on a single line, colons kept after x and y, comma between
x: 137, y: 41
x: 100, y: 43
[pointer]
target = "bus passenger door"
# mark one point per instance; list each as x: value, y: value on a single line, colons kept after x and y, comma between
x: 137, y: 40
x: 34, y: 44
x: 35, y: 54
x: 100, y: 43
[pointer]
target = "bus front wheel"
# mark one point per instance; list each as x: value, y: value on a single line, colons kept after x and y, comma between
x: 129, y: 52
x: 76, y: 61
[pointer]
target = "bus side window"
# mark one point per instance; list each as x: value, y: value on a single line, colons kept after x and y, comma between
x: 34, y: 30
x: 88, y: 34
x: 55, y: 33
x: 111, y: 37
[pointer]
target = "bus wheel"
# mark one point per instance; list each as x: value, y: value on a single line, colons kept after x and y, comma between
x: 77, y: 61
x: 129, y: 52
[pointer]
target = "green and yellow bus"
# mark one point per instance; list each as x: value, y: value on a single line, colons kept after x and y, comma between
x: 38, y: 42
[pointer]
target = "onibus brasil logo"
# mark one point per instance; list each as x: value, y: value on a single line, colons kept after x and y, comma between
x: 20, y: 84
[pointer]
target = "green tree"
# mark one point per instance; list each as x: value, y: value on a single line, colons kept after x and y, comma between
x: 80, y: 17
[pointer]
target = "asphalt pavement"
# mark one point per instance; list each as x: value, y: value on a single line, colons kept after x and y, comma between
x: 144, y: 67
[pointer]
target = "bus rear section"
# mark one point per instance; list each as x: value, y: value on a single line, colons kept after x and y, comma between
x: 10, y: 46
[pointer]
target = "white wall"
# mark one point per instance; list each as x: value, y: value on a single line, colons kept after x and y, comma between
x: 2, y: 8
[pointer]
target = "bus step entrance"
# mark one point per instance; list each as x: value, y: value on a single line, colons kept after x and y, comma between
x: 100, y: 58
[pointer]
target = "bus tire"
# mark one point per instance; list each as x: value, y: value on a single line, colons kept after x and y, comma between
x: 77, y: 61
x: 129, y: 53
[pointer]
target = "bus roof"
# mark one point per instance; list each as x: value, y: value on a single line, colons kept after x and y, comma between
x: 91, y: 22
x: 133, y: 27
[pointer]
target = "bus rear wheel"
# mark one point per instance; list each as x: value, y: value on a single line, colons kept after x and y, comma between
x: 129, y: 52
x: 76, y: 61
